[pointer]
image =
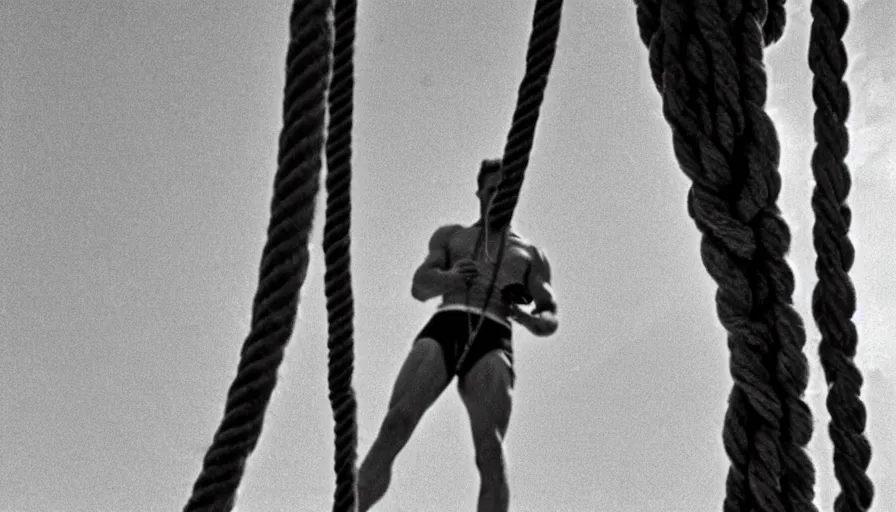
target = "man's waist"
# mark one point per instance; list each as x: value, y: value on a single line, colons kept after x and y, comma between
x: 501, y: 319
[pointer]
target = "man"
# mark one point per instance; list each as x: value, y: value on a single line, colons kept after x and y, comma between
x: 441, y: 350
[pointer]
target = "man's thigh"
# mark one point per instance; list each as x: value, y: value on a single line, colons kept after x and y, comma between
x: 487, y: 393
x: 422, y: 377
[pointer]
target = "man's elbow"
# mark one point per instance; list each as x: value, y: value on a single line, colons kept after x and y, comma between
x: 416, y: 292
x: 424, y: 286
x: 548, y: 332
x: 419, y: 294
x: 552, y: 323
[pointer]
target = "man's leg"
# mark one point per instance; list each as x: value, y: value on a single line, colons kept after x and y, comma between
x: 486, y: 391
x: 420, y: 381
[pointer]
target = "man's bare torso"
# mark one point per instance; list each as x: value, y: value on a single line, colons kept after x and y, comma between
x: 515, y: 266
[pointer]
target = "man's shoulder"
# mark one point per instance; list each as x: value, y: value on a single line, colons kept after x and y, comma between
x: 528, y: 245
x: 447, y: 230
x: 443, y: 233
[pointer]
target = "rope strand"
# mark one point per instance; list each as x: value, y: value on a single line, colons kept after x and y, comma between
x: 521, y: 138
x: 284, y: 262
x: 765, y: 436
x: 773, y: 28
x: 834, y: 298
x: 336, y: 247
x: 707, y: 64
x: 774, y: 281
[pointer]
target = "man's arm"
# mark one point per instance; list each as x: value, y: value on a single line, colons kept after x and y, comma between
x: 429, y: 279
x: 544, y: 317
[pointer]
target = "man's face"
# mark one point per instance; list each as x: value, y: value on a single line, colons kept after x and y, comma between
x: 489, y: 187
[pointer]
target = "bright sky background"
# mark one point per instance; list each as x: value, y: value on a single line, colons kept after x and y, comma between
x: 139, y: 144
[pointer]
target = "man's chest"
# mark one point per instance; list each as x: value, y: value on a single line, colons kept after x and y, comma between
x: 515, y: 261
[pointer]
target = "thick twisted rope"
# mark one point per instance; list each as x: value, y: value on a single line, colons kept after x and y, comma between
x: 521, y: 138
x: 834, y: 298
x: 788, y: 363
x: 706, y: 61
x: 337, y: 277
x: 284, y: 262
x: 648, y: 17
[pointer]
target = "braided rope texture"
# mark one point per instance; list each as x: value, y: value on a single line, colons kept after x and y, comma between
x: 284, y: 262
x: 521, y: 138
x: 336, y: 245
x: 834, y: 298
x: 706, y: 61
x: 773, y: 280
x: 648, y: 17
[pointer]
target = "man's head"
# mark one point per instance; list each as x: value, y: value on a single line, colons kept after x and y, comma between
x: 487, y: 181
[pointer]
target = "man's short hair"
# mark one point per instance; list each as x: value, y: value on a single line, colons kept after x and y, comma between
x: 489, y: 166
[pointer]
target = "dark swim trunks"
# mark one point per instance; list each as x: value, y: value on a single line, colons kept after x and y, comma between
x: 450, y: 329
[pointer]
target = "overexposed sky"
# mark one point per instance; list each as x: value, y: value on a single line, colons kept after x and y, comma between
x: 139, y: 144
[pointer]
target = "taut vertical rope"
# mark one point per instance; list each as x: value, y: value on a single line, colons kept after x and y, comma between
x: 834, y: 299
x: 539, y: 58
x: 706, y: 61
x: 284, y: 262
x: 337, y: 240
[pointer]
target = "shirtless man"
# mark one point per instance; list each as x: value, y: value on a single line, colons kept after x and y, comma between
x: 485, y: 377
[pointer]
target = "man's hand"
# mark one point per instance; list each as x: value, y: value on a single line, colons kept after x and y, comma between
x: 461, y: 274
x: 542, y: 323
